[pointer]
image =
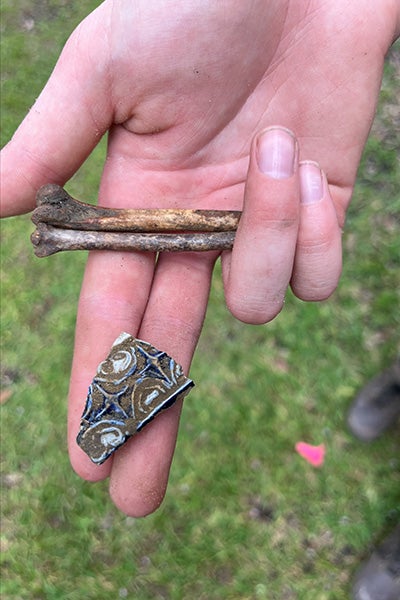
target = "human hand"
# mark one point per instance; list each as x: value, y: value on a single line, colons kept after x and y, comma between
x: 183, y: 90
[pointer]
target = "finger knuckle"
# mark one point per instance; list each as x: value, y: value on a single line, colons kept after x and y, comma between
x: 255, y: 311
x: 317, y: 285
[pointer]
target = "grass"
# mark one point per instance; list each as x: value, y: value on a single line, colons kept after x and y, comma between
x: 244, y: 517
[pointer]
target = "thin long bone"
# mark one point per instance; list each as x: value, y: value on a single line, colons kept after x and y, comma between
x: 56, y: 207
x: 48, y: 240
x: 63, y: 223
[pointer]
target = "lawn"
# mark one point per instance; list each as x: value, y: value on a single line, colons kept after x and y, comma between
x: 244, y: 517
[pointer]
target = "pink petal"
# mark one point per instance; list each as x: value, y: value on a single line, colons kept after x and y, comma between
x: 313, y: 454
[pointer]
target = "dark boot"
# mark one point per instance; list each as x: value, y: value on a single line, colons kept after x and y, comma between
x: 379, y: 577
x: 377, y: 406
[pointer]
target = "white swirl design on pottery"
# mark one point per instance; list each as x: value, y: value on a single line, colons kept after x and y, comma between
x: 132, y: 385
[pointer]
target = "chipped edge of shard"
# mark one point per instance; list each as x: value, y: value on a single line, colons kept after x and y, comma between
x: 107, y: 424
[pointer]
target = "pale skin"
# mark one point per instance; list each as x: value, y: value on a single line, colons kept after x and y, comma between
x: 192, y: 94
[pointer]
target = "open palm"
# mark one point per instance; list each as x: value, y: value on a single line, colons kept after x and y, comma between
x: 185, y: 91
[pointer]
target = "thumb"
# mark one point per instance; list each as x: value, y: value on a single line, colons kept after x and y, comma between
x: 65, y: 123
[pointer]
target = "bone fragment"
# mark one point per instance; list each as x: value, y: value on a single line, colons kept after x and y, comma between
x: 56, y: 207
x: 48, y: 240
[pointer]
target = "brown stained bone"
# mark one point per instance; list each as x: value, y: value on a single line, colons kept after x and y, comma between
x: 63, y: 223
x: 49, y: 240
x: 56, y: 207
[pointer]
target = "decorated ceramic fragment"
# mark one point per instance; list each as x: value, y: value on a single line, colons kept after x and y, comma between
x: 132, y: 385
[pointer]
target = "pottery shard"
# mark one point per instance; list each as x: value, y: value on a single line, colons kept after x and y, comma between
x: 132, y: 385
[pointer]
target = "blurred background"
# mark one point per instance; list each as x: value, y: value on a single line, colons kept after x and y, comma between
x: 244, y: 517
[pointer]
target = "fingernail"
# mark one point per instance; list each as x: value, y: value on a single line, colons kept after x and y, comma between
x: 276, y: 151
x: 311, y: 189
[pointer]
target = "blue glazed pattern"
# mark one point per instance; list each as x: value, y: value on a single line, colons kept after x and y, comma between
x: 132, y: 385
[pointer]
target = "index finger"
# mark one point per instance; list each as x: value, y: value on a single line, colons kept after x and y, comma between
x: 164, y: 305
